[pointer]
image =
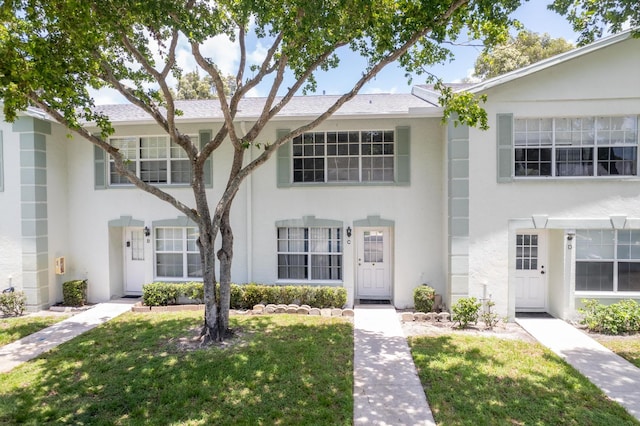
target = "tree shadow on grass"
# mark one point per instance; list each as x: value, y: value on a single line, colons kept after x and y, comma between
x: 128, y: 371
x: 492, y: 381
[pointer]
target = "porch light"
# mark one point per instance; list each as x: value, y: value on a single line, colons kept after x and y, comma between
x: 348, y: 231
x: 147, y: 231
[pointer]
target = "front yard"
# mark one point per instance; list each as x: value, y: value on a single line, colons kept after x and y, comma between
x: 473, y: 379
x: 143, y: 369
x: 292, y: 369
x: 15, y: 328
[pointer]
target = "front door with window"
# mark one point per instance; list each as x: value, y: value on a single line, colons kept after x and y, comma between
x: 374, y: 263
x: 134, y: 255
x: 531, y: 274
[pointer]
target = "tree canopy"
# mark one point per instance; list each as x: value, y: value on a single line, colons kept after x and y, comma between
x: 524, y: 49
x: 591, y: 18
x: 54, y: 51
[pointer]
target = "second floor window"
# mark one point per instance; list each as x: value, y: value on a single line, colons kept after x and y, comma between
x: 357, y: 156
x: 583, y: 146
x: 154, y: 159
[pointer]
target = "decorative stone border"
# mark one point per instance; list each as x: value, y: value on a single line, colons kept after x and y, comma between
x: 257, y: 310
x: 429, y: 316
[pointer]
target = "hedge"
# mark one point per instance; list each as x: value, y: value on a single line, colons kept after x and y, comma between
x: 245, y: 296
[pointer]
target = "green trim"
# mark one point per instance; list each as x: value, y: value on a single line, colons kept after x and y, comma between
x: 309, y: 222
x: 504, y: 136
x: 205, y: 136
x: 125, y: 221
x: 374, y: 222
x: 100, y: 163
x: 403, y: 158
x: 283, y: 167
x: 180, y: 221
x: 31, y: 125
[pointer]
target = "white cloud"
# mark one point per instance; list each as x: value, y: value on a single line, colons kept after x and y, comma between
x: 223, y: 52
x: 257, y: 56
x: 107, y: 96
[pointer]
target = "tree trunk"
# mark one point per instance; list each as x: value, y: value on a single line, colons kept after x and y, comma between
x: 225, y: 256
x: 211, y: 328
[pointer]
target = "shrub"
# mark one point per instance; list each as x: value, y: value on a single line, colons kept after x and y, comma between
x: 193, y: 291
x: 160, y: 294
x: 74, y: 293
x: 617, y: 318
x: 246, y: 296
x: 423, y: 297
x: 489, y: 317
x: 465, y: 311
x: 12, y: 304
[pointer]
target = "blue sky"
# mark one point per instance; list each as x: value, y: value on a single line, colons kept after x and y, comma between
x: 533, y: 14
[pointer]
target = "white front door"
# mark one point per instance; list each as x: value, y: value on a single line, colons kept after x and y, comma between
x: 134, y: 256
x: 374, y: 263
x: 531, y: 273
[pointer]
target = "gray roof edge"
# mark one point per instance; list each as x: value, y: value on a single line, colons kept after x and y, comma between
x: 550, y: 62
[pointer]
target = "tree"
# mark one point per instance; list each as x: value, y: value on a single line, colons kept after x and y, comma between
x: 590, y: 18
x: 524, y: 49
x: 191, y: 86
x: 54, y: 50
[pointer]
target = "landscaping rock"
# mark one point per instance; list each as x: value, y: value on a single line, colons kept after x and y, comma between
x: 444, y: 316
x: 407, y: 316
x: 302, y: 311
x: 432, y: 316
x: 325, y: 312
x: 314, y: 311
x: 259, y: 308
x: 420, y: 316
x: 291, y: 310
x: 348, y: 313
x: 270, y: 309
x: 336, y: 312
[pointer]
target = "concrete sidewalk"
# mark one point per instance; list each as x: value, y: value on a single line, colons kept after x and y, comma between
x: 618, y: 378
x: 27, y: 348
x: 387, y: 390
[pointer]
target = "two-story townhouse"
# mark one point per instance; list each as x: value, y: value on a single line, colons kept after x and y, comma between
x: 538, y: 212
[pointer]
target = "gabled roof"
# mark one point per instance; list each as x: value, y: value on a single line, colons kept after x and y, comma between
x: 300, y: 106
x: 549, y: 62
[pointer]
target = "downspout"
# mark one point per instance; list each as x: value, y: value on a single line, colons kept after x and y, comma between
x: 249, y: 206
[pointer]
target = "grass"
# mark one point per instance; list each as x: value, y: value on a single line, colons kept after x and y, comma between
x: 284, y: 369
x: 484, y: 380
x: 12, y: 329
x: 628, y: 347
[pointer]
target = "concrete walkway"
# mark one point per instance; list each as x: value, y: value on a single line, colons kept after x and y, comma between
x: 27, y: 348
x: 387, y: 390
x: 618, y: 378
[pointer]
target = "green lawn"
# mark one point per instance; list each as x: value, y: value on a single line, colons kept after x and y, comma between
x: 490, y: 381
x: 283, y: 369
x: 12, y: 329
x: 628, y: 347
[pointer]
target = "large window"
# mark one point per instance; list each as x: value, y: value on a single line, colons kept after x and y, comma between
x: 583, y: 146
x: 177, y: 254
x: 310, y: 254
x: 364, y: 156
x: 154, y: 159
x: 608, y: 260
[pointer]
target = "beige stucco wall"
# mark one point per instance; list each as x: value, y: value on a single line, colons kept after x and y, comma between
x: 417, y: 211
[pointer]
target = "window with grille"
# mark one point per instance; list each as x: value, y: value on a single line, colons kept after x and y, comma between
x: 350, y: 156
x: 177, y: 254
x: 154, y: 159
x: 579, y: 146
x: 308, y: 254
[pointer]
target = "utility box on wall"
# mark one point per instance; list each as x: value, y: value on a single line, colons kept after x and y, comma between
x: 60, y: 265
